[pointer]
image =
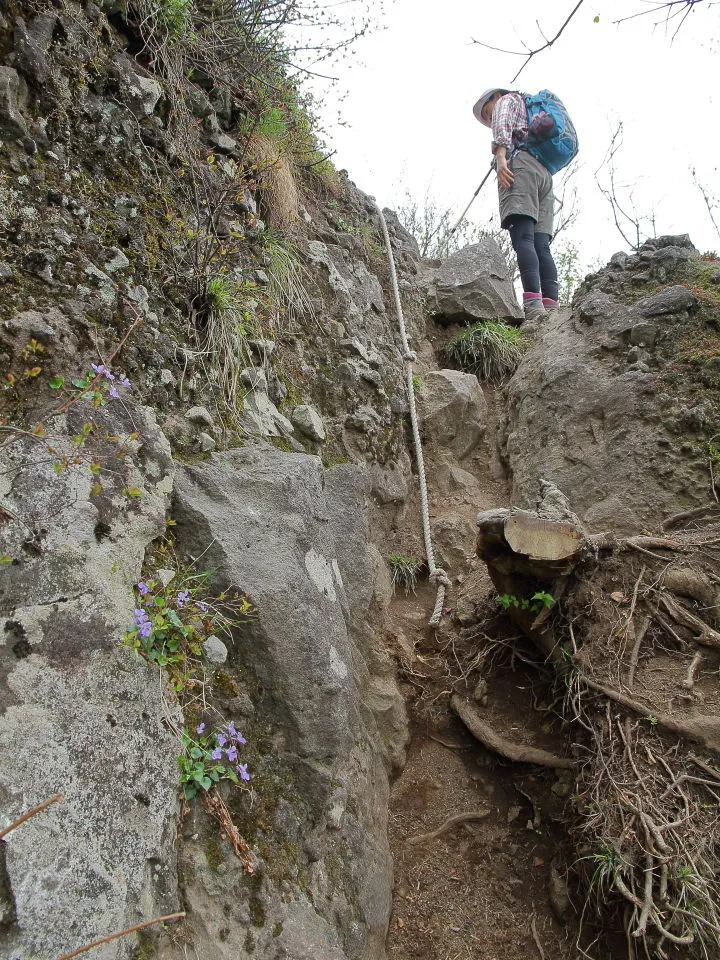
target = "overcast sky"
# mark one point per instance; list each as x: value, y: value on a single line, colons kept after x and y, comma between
x: 408, y: 97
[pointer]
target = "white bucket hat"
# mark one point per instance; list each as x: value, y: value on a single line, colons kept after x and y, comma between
x: 478, y: 108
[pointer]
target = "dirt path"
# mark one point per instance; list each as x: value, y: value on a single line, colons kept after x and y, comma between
x: 479, y: 889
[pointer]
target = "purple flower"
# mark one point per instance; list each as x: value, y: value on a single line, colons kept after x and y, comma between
x: 232, y: 753
x: 216, y: 754
x: 243, y: 771
x: 98, y: 367
x: 108, y: 375
x: 231, y: 729
x: 203, y: 606
x: 125, y: 382
x: 113, y: 393
x: 240, y: 738
x: 142, y: 622
x: 182, y: 598
x: 221, y: 739
x: 200, y: 728
x: 143, y: 588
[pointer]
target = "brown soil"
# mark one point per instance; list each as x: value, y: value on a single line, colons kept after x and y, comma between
x: 480, y: 889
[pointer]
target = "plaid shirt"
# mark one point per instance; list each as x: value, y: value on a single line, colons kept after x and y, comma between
x: 509, y: 123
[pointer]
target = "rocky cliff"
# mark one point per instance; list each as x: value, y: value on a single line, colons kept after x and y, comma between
x: 207, y: 495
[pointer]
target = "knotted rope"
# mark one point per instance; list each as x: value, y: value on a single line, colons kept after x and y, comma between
x: 436, y: 574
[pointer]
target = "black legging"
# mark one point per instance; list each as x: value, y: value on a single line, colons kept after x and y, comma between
x: 537, y: 267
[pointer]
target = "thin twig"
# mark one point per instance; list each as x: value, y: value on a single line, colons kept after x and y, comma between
x: 531, y: 53
x: 31, y: 813
x: 121, y: 933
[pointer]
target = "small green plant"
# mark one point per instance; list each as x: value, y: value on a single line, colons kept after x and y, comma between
x: 288, y: 276
x: 228, y: 324
x: 405, y: 571
x: 539, y: 601
x: 208, y: 758
x: 171, y: 623
x: 417, y: 381
x: 175, y: 16
x: 491, y: 349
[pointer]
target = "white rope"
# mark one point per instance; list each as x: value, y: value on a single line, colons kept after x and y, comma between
x: 437, y: 574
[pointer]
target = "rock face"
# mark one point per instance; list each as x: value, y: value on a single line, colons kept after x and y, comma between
x: 613, y: 402
x: 294, y: 536
x: 475, y: 284
x: 453, y: 411
x: 81, y: 715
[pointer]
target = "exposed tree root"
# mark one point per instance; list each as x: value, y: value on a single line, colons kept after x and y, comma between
x: 493, y: 741
x: 680, y: 614
x: 683, y: 728
x: 452, y: 822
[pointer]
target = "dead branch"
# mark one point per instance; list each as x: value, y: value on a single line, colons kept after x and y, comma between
x: 680, y: 518
x: 698, y: 733
x: 31, y: 813
x: 493, y: 741
x: 689, y: 681
x: 452, y: 822
x: 680, y: 614
x: 639, y: 637
x: 527, y: 53
x: 536, y: 938
x: 217, y: 808
x: 121, y: 933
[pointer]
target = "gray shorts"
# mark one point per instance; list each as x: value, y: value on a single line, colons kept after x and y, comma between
x: 531, y: 195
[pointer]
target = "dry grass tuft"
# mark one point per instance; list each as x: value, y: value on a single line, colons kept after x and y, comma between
x: 277, y: 182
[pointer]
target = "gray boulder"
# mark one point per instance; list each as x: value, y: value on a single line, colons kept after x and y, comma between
x: 294, y: 537
x: 476, y: 284
x: 309, y: 422
x: 138, y: 89
x: 453, y: 411
x: 80, y: 714
x: 12, y: 122
x: 597, y: 408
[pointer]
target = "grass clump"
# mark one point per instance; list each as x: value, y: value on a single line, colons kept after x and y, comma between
x: 405, y: 571
x: 491, y: 349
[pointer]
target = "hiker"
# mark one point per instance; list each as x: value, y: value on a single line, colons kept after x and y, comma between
x: 526, y: 197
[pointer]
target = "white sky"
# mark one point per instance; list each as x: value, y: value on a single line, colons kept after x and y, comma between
x: 409, y: 94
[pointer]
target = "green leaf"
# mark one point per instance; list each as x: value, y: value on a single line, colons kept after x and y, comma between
x: 596, y: 18
x: 5, y: 558
x: 206, y: 783
x: 196, y: 753
x: 80, y: 384
x: 190, y: 790
x: 56, y: 382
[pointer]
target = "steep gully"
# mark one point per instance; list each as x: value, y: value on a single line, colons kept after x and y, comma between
x: 477, y: 841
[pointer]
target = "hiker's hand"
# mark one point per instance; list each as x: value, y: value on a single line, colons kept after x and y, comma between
x: 504, y: 173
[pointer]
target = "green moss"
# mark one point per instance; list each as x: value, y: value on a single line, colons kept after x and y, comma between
x: 213, y: 854
x: 282, y: 443
x: 277, y: 929
x: 146, y: 946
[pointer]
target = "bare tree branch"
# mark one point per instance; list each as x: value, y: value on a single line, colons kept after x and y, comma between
x: 529, y: 54
x: 711, y: 202
x: 625, y: 216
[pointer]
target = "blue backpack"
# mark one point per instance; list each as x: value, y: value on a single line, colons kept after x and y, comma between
x: 551, y: 135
